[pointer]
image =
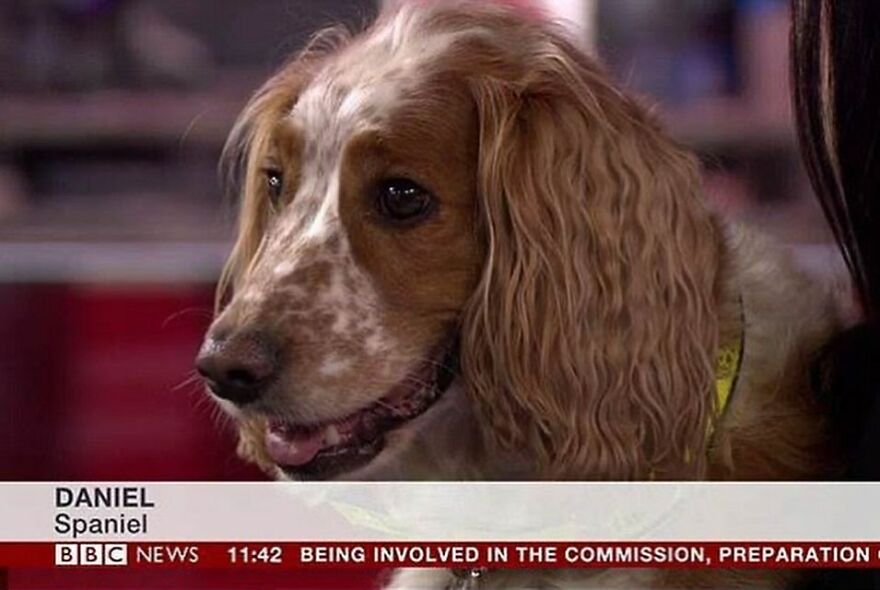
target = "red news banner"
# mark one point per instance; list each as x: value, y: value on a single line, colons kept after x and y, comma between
x: 462, y: 526
x: 685, y: 555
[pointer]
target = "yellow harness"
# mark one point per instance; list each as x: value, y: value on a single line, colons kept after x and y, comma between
x: 727, y: 365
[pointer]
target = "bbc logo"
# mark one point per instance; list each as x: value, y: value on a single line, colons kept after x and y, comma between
x: 91, y: 554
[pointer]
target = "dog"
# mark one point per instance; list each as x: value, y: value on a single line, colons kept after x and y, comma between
x: 464, y: 253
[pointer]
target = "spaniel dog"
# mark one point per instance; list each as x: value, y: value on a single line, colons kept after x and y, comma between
x: 463, y: 253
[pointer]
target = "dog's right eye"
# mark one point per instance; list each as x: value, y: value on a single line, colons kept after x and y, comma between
x: 402, y: 201
x: 274, y: 183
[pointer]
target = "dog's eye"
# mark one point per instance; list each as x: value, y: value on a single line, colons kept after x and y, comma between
x: 274, y: 183
x: 402, y: 200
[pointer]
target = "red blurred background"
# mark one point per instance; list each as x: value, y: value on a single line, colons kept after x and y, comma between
x: 100, y: 387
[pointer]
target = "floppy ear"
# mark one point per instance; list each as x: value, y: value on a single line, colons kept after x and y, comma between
x: 248, y: 142
x: 591, y: 337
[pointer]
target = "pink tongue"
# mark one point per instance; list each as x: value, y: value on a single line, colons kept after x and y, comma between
x: 293, y: 448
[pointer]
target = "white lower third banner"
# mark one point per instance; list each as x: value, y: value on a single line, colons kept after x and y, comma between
x: 693, y: 525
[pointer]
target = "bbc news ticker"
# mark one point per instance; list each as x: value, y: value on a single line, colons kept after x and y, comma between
x: 454, y: 525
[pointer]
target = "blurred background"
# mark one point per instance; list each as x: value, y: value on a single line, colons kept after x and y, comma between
x: 113, y: 229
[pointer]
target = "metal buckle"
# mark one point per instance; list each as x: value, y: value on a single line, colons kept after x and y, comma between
x: 467, y: 579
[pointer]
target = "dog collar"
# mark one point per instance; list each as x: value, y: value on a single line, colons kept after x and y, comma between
x: 728, y: 363
x: 466, y: 579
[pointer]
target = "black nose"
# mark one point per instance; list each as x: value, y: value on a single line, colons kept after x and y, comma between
x: 239, y: 367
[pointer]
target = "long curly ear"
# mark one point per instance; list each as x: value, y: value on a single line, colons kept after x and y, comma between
x: 591, y: 336
x: 248, y: 143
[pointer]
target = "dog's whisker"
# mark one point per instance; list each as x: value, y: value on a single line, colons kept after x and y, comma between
x: 384, y: 404
x: 191, y: 379
x: 204, y: 312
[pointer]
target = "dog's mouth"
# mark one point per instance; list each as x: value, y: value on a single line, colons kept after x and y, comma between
x: 327, y: 449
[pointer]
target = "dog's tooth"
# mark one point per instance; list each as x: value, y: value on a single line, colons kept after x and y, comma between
x: 331, y: 435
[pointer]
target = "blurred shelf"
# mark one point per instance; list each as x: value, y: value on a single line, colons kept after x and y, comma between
x: 153, y: 238
x: 144, y: 217
x: 724, y: 126
x: 112, y: 262
x: 124, y: 118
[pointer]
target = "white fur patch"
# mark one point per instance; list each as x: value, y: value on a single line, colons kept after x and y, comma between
x: 284, y: 269
x: 333, y: 366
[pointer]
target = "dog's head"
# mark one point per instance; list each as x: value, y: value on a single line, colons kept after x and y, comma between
x: 459, y: 194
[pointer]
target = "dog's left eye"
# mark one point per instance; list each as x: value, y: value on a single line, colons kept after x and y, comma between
x: 402, y: 200
x: 274, y: 183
